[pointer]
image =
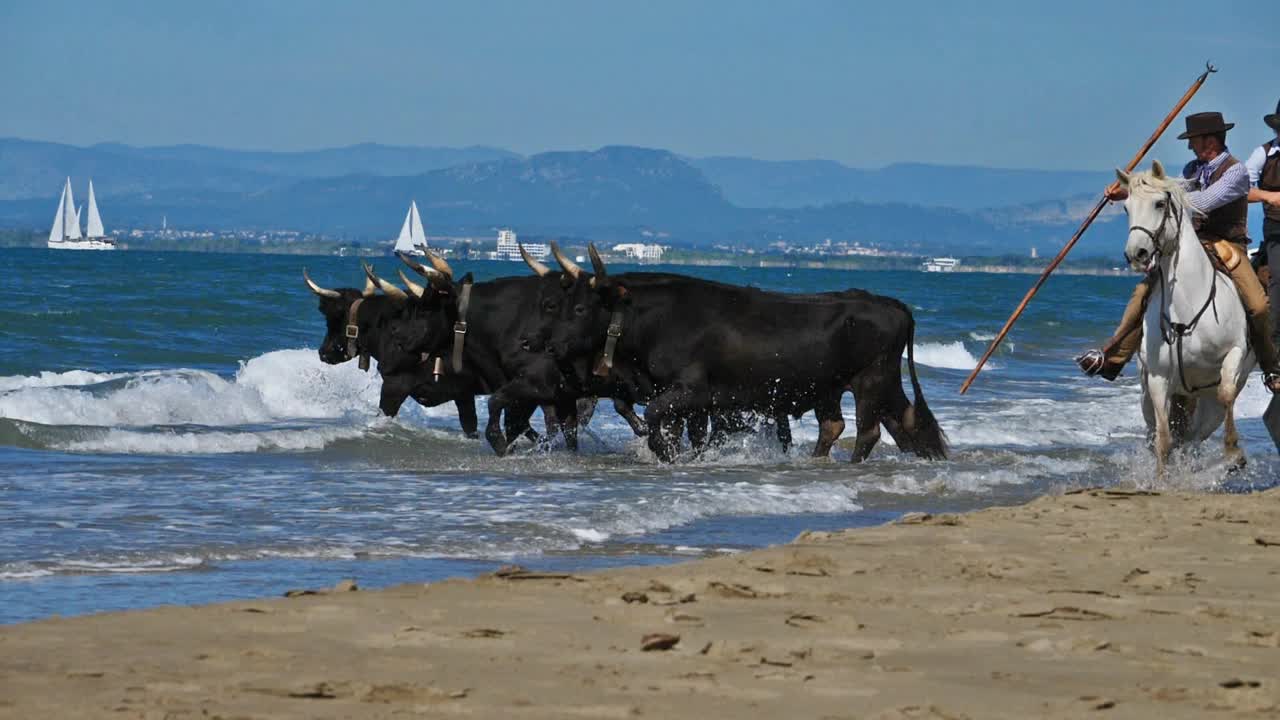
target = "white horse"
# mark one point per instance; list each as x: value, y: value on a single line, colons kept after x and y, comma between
x: 1195, y: 355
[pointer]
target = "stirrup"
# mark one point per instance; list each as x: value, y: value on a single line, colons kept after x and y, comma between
x: 1271, y: 381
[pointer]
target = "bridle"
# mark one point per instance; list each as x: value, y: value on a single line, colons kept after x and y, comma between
x: 1172, y: 332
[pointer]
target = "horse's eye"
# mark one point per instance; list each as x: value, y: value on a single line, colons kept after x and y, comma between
x: 1159, y: 204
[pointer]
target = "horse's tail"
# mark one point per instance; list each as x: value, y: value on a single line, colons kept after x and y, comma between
x: 929, y: 439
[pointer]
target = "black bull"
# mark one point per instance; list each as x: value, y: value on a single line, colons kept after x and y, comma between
x: 411, y: 338
x: 694, y: 347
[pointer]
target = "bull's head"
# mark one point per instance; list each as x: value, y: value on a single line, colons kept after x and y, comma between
x: 575, y: 309
x: 426, y: 327
x: 335, y: 306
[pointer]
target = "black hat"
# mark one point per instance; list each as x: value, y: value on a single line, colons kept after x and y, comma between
x: 1205, y: 123
x: 1273, y: 119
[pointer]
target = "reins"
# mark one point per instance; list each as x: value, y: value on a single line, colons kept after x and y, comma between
x: 1172, y: 332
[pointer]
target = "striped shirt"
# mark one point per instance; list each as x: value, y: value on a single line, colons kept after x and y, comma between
x: 1233, y: 185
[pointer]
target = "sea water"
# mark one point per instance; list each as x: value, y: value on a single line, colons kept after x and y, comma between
x: 168, y: 434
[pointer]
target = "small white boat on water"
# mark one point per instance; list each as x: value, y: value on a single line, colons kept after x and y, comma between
x: 65, y: 233
x: 940, y: 264
x: 413, y: 239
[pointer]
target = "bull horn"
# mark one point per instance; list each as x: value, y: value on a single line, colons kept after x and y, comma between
x: 440, y: 265
x: 391, y: 290
x: 322, y: 292
x: 369, y: 289
x: 437, y: 279
x: 597, y: 263
x: 536, y: 266
x: 414, y: 287
x: 566, y: 263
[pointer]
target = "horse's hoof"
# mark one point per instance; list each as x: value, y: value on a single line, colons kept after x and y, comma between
x: 1236, y: 466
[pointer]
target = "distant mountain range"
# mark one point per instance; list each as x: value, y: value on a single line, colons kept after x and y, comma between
x: 614, y: 193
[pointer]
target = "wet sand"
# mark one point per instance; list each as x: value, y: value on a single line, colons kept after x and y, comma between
x: 1104, y: 603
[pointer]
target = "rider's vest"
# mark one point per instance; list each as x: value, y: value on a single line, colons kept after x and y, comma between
x: 1269, y: 179
x: 1229, y: 222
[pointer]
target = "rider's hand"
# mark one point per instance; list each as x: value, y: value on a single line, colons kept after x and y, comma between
x: 1272, y: 198
x: 1115, y: 192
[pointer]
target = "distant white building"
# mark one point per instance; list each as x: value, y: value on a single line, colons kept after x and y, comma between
x: 509, y: 247
x: 640, y: 251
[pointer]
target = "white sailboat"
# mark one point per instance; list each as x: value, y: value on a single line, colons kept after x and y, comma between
x: 413, y: 239
x: 65, y: 233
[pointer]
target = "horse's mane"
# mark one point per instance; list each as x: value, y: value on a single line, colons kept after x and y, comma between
x: 1147, y: 182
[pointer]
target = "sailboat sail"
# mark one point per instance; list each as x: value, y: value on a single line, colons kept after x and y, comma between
x: 412, y: 237
x: 94, y: 229
x: 419, y: 235
x: 55, y: 233
x: 404, y: 243
x: 70, y: 218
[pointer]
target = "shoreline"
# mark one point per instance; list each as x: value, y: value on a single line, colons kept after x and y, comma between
x: 1160, y: 606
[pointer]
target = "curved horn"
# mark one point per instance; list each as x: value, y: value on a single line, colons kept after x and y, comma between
x: 566, y: 263
x: 391, y: 290
x: 538, y: 268
x: 322, y: 292
x: 414, y: 287
x: 440, y: 265
x: 438, y: 280
x: 597, y: 263
x: 369, y: 288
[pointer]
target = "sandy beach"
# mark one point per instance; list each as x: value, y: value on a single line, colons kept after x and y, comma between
x: 1102, y: 602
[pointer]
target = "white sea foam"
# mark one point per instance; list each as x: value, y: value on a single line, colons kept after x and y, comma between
x: 56, y: 379
x: 281, y: 385
x: 951, y: 356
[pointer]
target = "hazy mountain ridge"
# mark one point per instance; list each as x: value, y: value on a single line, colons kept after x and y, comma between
x: 613, y: 193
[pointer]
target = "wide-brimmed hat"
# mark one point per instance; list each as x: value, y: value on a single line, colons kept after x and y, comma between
x: 1205, y: 123
x: 1273, y: 119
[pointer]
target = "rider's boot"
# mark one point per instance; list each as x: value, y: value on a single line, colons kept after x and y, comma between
x: 1261, y: 335
x: 1110, y: 359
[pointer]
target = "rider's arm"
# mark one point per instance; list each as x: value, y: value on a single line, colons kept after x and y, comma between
x: 1254, y: 164
x: 1233, y: 185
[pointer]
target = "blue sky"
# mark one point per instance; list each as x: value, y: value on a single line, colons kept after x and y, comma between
x: 1014, y: 84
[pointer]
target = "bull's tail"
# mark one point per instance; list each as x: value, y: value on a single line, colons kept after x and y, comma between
x: 929, y: 440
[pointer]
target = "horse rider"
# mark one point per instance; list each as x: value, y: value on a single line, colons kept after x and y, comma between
x: 1220, y: 193
x: 1264, y: 177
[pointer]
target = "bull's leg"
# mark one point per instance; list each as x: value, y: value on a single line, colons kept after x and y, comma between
x: 466, y: 405
x: 395, y: 389
x: 783, y: 428
x: 698, y: 420
x: 670, y: 405
x: 567, y: 410
x: 493, y: 429
x: 831, y: 425
x: 586, y: 410
x: 628, y: 413
x: 517, y: 420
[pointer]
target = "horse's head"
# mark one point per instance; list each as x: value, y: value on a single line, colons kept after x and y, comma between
x: 1155, y: 208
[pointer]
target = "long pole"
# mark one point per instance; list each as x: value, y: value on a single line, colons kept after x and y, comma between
x: 1093, y: 214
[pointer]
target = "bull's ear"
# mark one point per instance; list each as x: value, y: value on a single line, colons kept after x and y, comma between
x: 615, y: 295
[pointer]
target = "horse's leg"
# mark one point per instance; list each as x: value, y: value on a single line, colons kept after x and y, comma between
x: 1228, y: 391
x: 1158, y: 389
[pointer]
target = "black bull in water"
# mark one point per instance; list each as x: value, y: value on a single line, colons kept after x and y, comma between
x: 688, y: 348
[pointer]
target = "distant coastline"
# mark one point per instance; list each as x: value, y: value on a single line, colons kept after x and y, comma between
x: 221, y: 243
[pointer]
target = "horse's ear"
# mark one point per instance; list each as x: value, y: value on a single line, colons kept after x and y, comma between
x: 1157, y: 170
x: 1123, y: 177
